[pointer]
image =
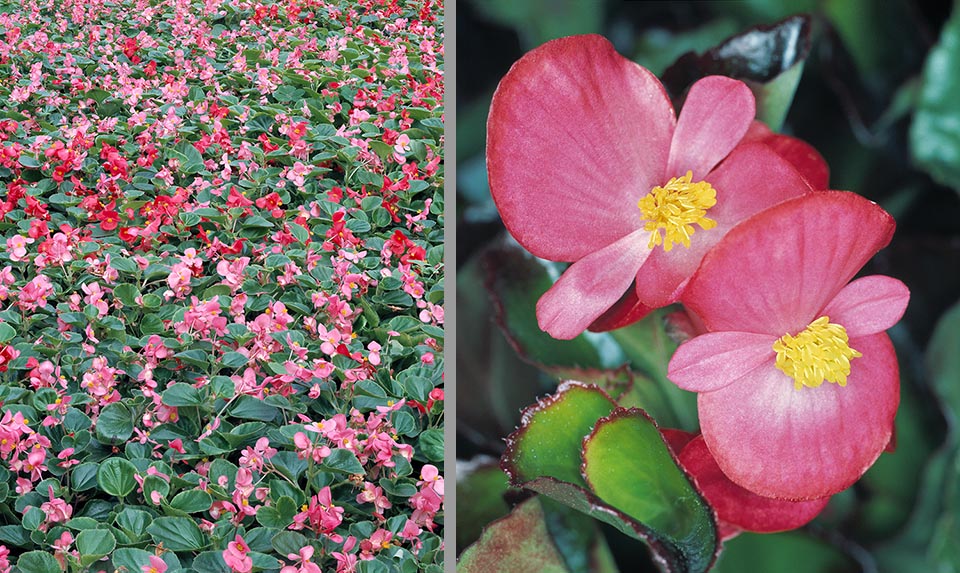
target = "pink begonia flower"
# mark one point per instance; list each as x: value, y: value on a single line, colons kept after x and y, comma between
x: 800, y: 154
x: 306, y: 566
x: 235, y: 556
x: 589, y: 164
x: 738, y: 509
x: 56, y: 511
x: 17, y: 245
x: 156, y: 565
x: 798, y: 382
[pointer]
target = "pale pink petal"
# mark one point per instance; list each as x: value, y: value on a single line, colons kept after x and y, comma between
x: 780, y: 442
x: 713, y: 360
x: 590, y: 286
x: 751, y: 179
x: 577, y: 134
x: 715, y: 116
x: 869, y: 305
x: 775, y: 272
x: 737, y: 506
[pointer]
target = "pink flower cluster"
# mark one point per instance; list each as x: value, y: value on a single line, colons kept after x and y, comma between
x: 23, y: 449
x: 797, y: 382
x: 429, y: 500
x: 372, y: 439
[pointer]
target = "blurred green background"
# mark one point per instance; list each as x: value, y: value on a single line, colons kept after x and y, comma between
x: 879, y: 97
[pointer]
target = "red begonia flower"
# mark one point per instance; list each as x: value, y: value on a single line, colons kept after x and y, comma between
x: 587, y: 163
x: 738, y: 509
x: 798, y: 382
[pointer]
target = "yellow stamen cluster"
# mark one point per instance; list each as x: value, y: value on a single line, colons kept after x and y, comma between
x: 675, y: 208
x: 821, y: 353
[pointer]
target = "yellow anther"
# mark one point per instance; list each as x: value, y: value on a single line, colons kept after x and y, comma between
x: 821, y: 353
x: 675, y: 208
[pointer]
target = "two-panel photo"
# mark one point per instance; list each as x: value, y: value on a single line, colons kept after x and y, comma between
x: 704, y: 263
x: 707, y: 286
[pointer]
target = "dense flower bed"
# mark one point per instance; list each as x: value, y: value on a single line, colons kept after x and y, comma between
x: 221, y: 323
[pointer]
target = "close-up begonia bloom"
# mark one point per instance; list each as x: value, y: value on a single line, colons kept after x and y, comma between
x: 588, y: 163
x: 798, y: 382
x: 738, y: 509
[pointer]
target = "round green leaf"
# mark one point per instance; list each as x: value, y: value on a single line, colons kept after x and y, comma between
x: 342, y: 460
x: 182, y: 395
x: 127, y: 293
x: 32, y: 518
x: 94, y: 544
x: 115, y: 476
x: 38, y: 562
x: 130, y: 559
x: 546, y: 453
x: 431, y: 445
x: 211, y: 562
x: 84, y: 476
x: 155, y: 484
x: 192, y: 501
x: 177, y: 533
x: 152, y: 301
x: 287, y: 542
x: 115, y: 424
x: 133, y: 522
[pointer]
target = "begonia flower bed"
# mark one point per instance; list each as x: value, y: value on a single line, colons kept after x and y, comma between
x: 221, y: 322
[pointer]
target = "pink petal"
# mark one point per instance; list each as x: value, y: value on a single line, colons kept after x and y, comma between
x: 775, y: 272
x: 577, y: 134
x: 714, y: 360
x: 869, y: 305
x: 590, y: 286
x: 715, y: 116
x: 780, y: 442
x: 676, y: 439
x: 737, y: 506
x: 158, y: 564
x: 750, y: 180
x: 624, y: 312
x: 804, y: 158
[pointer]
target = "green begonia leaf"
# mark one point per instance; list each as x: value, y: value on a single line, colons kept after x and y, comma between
x: 935, y: 132
x: 38, y: 562
x: 192, y: 501
x: 115, y: 424
x: 628, y: 465
x: 177, y: 533
x: 517, y: 542
x: 548, y: 451
x: 182, y: 395
x: 115, y: 476
x: 94, y: 544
